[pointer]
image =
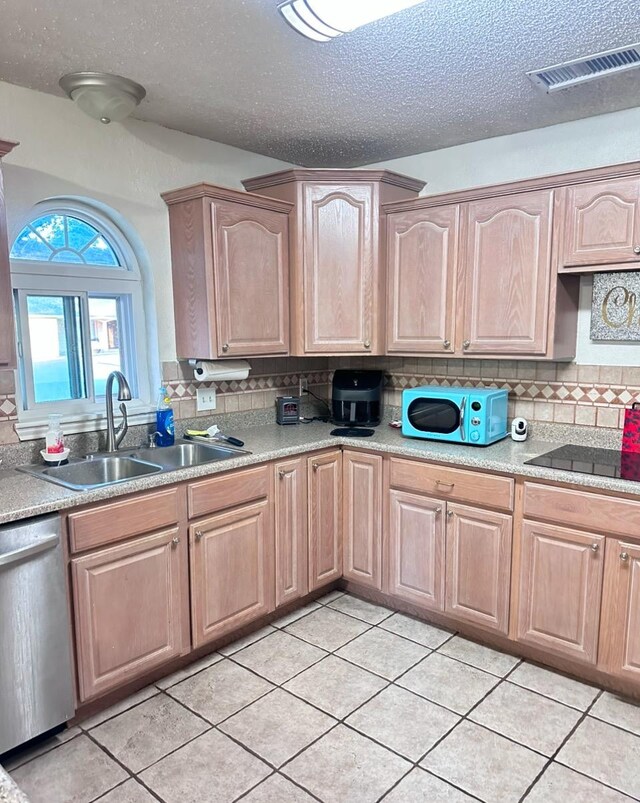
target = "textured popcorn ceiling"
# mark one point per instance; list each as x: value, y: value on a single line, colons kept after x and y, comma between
x: 443, y: 73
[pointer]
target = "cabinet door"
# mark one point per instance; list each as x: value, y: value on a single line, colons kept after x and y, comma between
x: 251, y: 265
x: 338, y: 264
x: 232, y: 570
x: 362, y: 518
x: 7, y: 332
x: 324, y: 473
x: 131, y: 609
x: 602, y: 223
x: 290, y: 500
x: 416, y: 549
x: 422, y: 248
x: 507, y: 268
x: 478, y: 566
x: 620, y: 629
x: 560, y: 589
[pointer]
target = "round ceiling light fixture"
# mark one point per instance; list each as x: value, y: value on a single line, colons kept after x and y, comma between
x: 103, y: 96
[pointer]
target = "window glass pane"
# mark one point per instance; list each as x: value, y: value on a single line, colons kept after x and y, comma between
x: 106, y: 353
x: 64, y: 239
x: 100, y: 253
x: 29, y: 246
x: 79, y: 233
x: 67, y: 255
x: 52, y: 229
x: 56, y: 347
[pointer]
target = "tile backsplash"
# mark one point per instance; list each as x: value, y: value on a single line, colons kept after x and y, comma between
x: 566, y: 393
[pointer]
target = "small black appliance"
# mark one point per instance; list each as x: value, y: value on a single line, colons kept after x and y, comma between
x: 288, y: 410
x: 356, y: 398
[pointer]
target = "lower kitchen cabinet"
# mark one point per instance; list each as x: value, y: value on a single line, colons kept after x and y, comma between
x: 232, y: 570
x: 324, y: 475
x: 478, y: 561
x: 131, y: 609
x: 362, y: 518
x: 290, y: 515
x: 560, y: 590
x: 416, y: 549
x: 620, y: 629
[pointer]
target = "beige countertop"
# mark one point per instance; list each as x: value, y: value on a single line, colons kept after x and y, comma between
x: 22, y: 495
x: 9, y: 792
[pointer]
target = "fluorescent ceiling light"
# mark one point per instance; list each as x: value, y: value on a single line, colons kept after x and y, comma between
x: 323, y: 20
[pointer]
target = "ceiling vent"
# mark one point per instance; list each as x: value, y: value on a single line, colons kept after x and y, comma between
x: 579, y: 71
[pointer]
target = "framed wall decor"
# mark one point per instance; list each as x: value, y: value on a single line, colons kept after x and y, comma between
x: 615, y: 308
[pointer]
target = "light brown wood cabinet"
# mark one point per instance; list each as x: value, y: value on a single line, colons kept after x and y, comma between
x: 7, y: 331
x: 232, y: 570
x: 362, y: 518
x: 230, y: 262
x: 324, y: 477
x: 422, y: 259
x: 478, y: 566
x: 131, y: 605
x: 620, y: 628
x: 602, y: 225
x: 291, y: 548
x: 337, y: 280
x: 416, y: 549
x: 561, y: 573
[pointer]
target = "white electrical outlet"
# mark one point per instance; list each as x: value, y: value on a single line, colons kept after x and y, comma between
x: 206, y: 399
x: 303, y: 384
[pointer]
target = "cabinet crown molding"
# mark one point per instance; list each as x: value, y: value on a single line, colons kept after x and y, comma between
x: 332, y: 176
x: 6, y: 146
x: 547, y: 182
x: 216, y: 193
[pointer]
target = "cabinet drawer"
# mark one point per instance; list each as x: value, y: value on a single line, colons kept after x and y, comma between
x: 116, y: 521
x: 228, y: 490
x: 593, y: 512
x: 452, y: 483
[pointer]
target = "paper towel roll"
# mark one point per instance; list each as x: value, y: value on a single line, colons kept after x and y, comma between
x: 204, y: 371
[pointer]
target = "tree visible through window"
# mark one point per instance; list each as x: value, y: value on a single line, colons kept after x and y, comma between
x: 75, y: 296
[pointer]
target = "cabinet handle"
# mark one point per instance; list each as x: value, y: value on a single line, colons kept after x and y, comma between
x: 367, y: 344
x: 448, y: 485
x: 315, y: 466
x: 636, y: 249
x: 466, y: 344
x: 446, y: 344
x: 624, y: 556
x: 595, y: 547
x: 199, y: 535
x: 174, y: 542
x: 225, y: 347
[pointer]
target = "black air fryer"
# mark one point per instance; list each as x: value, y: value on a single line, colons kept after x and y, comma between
x: 356, y: 398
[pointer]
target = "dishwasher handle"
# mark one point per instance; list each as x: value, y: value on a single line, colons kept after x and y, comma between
x: 9, y: 558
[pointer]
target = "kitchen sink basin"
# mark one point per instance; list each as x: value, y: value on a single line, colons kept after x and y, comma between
x: 185, y: 454
x: 82, y: 475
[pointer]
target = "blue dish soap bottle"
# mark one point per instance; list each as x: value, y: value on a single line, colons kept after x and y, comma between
x: 164, y: 420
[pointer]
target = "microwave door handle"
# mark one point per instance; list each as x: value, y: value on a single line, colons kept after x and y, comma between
x: 463, y: 405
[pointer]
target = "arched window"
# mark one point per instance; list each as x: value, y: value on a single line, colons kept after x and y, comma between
x: 78, y: 299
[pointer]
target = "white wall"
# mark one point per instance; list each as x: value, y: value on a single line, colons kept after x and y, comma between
x: 593, y: 142
x: 125, y: 166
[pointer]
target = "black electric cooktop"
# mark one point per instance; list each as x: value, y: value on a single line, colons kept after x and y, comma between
x: 590, y: 460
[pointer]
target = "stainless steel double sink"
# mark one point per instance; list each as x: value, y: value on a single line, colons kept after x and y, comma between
x: 99, y: 470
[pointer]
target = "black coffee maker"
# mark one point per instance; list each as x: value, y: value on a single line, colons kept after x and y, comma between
x: 356, y: 398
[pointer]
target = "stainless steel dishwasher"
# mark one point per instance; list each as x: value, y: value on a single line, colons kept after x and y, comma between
x: 36, y: 685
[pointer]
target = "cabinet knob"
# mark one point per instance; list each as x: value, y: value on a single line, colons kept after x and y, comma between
x: 624, y: 556
x: 199, y: 535
x: 438, y: 510
x: 315, y: 466
x: 174, y: 542
x: 446, y: 344
x: 282, y: 474
x: 367, y: 344
x: 636, y: 249
x: 449, y: 513
x: 595, y: 547
x: 466, y: 344
x: 225, y: 347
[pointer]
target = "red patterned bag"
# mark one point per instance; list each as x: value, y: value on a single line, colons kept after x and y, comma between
x: 631, y: 431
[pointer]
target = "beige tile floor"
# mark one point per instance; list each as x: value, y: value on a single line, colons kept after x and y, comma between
x: 348, y: 702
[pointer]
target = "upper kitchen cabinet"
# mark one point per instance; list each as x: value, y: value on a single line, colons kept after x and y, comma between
x: 337, y: 278
x: 7, y: 332
x: 422, y: 253
x: 602, y: 225
x: 230, y: 261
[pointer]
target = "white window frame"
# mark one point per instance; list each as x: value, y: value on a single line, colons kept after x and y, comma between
x: 30, y: 277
